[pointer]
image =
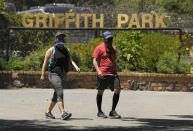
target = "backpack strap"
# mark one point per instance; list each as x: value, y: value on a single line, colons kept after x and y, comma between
x: 51, y: 61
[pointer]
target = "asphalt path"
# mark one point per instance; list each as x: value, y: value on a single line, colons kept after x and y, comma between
x: 23, y: 110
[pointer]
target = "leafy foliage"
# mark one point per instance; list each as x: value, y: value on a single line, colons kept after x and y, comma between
x: 149, y: 52
x: 128, y: 50
x: 177, y: 6
x: 29, y: 41
x: 33, y: 61
x: 82, y: 54
x: 3, y: 64
x: 169, y: 64
x: 136, y: 51
x: 2, y: 6
x: 155, y: 47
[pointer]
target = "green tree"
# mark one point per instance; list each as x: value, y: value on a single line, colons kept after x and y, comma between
x: 177, y: 6
x: 2, y: 6
x: 26, y: 4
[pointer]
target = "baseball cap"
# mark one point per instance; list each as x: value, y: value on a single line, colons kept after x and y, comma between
x: 60, y: 33
x: 107, y: 35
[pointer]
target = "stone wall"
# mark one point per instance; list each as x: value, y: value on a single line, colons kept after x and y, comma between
x: 129, y: 81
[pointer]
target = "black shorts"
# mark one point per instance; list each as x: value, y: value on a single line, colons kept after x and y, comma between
x: 111, y: 81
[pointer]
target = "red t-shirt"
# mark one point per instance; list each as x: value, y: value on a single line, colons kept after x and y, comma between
x: 106, y: 59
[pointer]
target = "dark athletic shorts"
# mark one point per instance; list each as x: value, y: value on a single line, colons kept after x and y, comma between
x: 111, y: 81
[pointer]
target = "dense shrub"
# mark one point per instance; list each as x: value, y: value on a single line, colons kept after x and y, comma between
x: 82, y: 54
x: 28, y: 41
x: 167, y: 64
x: 183, y: 67
x: 129, y: 48
x: 136, y: 51
x: 149, y: 52
x: 33, y: 61
x: 3, y: 64
x: 155, y: 46
x: 170, y: 64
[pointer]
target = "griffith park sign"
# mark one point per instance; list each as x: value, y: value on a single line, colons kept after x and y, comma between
x: 67, y: 20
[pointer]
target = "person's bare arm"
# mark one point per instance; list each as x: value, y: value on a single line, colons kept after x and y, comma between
x: 95, y: 63
x: 73, y: 63
x: 46, y: 58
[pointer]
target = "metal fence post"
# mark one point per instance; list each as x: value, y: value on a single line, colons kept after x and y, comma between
x: 181, y: 41
x: 7, y: 46
x: 95, y: 33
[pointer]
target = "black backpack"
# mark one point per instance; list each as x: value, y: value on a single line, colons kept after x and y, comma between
x: 60, y: 59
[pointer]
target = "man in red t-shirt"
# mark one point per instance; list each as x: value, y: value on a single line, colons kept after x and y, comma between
x: 104, y: 60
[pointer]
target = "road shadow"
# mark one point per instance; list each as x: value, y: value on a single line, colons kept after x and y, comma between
x: 76, y: 119
x: 147, y: 124
x: 182, y: 116
x: 162, y: 124
x: 84, y: 119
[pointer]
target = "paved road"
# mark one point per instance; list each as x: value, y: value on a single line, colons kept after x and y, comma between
x: 23, y: 110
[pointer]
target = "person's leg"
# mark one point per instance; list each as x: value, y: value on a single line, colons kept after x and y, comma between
x: 57, y: 81
x: 99, y: 99
x: 51, y: 106
x: 101, y: 85
x: 64, y: 115
x: 60, y: 102
x: 115, y: 86
x: 115, y: 98
x: 52, y: 103
x: 49, y: 114
x: 61, y: 106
